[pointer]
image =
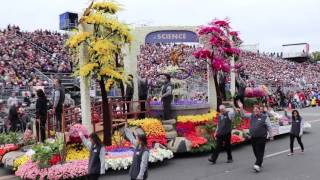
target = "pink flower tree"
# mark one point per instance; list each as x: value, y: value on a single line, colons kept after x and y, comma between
x: 220, y: 44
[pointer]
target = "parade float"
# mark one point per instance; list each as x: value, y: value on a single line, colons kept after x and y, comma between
x: 192, y: 131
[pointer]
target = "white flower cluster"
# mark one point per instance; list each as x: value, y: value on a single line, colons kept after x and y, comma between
x: 157, y: 154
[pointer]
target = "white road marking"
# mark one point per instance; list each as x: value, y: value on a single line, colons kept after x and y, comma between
x: 278, y: 153
x: 313, y: 121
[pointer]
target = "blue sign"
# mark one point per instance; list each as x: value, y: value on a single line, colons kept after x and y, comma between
x: 172, y: 36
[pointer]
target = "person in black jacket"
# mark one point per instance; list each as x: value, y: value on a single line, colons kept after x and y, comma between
x: 143, y: 95
x: 296, y: 130
x: 96, y: 166
x: 13, y: 118
x: 260, y: 127
x: 41, y: 115
x: 223, y: 131
x: 139, y: 167
x: 58, y: 102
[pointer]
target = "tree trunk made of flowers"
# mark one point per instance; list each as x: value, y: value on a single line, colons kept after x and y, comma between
x: 107, y: 118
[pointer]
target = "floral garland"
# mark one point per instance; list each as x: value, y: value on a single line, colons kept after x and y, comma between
x: 153, y: 128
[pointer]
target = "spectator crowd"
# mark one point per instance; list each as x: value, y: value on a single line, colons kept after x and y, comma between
x: 273, y: 71
x: 21, y: 52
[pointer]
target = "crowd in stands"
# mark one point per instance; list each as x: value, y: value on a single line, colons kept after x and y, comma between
x: 273, y: 71
x: 21, y: 52
x: 154, y: 58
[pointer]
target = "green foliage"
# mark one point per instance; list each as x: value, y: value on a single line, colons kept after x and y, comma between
x: 249, y: 102
x: 210, y: 129
x: 237, y: 120
x: 44, y: 152
x: 10, y: 138
x: 204, y: 148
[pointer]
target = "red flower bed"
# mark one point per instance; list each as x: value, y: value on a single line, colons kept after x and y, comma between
x: 7, y: 148
x: 152, y: 139
x: 196, y: 140
x: 126, y: 144
x: 55, y: 159
x: 244, y: 124
x: 235, y: 139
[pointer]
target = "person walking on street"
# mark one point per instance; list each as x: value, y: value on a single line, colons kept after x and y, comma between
x: 139, y: 167
x: 260, y: 125
x: 296, y: 130
x: 41, y: 115
x: 223, y: 134
x: 96, y: 165
x: 166, y: 98
x: 58, y: 102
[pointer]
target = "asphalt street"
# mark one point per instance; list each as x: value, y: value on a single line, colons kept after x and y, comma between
x: 277, y: 165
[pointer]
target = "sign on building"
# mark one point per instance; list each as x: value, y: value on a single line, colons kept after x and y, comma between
x: 172, y: 36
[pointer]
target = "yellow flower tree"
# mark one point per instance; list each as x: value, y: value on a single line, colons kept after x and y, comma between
x: 104, y: 46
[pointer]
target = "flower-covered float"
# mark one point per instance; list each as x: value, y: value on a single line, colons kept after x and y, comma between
x: 56, y: 159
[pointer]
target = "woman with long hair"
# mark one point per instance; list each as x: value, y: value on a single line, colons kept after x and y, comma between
x: 96, y: 165
x: 41, y: 115
x: 296, y: 130
x: 139, y: 167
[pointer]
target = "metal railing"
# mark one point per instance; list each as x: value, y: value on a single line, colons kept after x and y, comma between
x: 120, y: 116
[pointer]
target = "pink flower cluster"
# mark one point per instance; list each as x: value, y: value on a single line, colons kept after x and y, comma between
x: 74, y: 132
x: 222, y: 43
x: 68, y: 170
x: 202, y: 54
x: 209, y: 29
x: 221, y: 23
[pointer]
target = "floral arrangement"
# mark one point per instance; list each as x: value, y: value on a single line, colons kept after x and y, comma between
x: 55, y: 159
x: 153, y: 128
x: 122, y: 160
x: 7, y: 148
x: 198, y: 119
x: 20, y: 161
x: 46, y: 154
x: 198, y: 129
x: 74, y: 133
x: 244, y: 124
x: 76, y: 153
x: 236, y: 139
x: 10, y: 138
x: 69, y: 170
x: 196, y: 141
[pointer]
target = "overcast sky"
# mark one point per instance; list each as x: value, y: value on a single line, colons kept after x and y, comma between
x: 269, y: 23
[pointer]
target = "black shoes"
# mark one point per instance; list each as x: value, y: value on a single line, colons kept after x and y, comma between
x: 212, y: 161
x: 230, y: 161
